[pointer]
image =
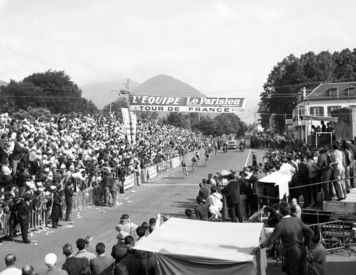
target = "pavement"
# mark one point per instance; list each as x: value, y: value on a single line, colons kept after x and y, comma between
x: 168, y: 194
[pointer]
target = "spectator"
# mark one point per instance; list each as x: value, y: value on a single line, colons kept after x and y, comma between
x: 28, y: 270
x: 202, y: 210
x: 82, y: 252
x: 119, y: 250
x: 126, y: 225
x: 317, y: 255
x: 10, y: 269
x: 56, y: 208
x: 74, y: 265
x: 215, y: 203
x: 147, y: 258
x: 102, y: 264
x: 121, y: 269
x: 23, y: 216
x: 232, y: 194
x: 294, y: 235
x: 337, y: 164
x: 89, y: 245
x: 133, y: 264
x: 69, y: 192
x: 51, y: 261
x: 295, y: 209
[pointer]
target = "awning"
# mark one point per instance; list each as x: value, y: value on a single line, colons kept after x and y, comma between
x: 321, y: 118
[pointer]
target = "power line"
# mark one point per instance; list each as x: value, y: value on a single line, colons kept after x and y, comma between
x: 41, y: 88
x: 40, y: 96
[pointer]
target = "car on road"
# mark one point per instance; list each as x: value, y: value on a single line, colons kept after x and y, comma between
x: 232, y: 144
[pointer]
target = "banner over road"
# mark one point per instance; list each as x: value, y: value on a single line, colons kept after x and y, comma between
x: 186, y: 104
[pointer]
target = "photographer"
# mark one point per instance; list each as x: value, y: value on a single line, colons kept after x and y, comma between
x: 232, y: 193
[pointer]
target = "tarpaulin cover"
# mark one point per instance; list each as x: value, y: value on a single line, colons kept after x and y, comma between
x: 177, y: 264
x: 184, y: 246
x: 281, y: 180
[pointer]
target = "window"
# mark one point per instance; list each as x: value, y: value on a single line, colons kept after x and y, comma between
x: 351, y: 91
x: 332, y: 108
x: 301, y: 111
x: 332, y: 92
x: 317, y: 111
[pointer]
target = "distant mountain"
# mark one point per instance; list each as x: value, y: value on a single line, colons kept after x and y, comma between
x: 3, y: 83
x: 100, y: 92
x: 165, y: 85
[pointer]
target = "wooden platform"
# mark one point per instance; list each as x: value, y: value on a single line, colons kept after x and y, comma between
x: 347, y: 206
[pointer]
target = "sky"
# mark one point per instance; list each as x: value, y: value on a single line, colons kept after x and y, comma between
x: 220, y: 47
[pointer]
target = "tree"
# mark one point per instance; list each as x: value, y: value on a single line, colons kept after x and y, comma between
x: 177, y: 119
x: 206, y: 126
x: 287, y: 79
x: 229, y: 124
x: 33, y: 114
x: 53, y: 90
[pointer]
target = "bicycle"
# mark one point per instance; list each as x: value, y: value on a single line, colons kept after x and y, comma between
x: 185, y: 171
x: 194, y: 166
x: 206, y: 160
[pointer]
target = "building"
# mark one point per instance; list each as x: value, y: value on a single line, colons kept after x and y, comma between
x: 316, y: 106
x: 345, y: 128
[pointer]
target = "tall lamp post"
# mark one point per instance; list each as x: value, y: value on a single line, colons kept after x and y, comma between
x: 110, y: 97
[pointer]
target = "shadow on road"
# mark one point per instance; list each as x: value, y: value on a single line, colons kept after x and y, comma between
x: 188, y: 203
x: 331, y: 268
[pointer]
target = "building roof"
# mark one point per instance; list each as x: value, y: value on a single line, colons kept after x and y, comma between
x: 331, y: 91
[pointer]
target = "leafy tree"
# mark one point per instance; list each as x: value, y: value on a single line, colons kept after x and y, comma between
x: 53, y: 90
x: 177, y: 119
x: 147, y: 115
x: 229, y: 124
x: 33, y: 113
x: 206, y: 126
x: 288, y: 77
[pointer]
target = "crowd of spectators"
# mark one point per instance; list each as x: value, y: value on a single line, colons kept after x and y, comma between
x: 97, y: 259
x: 316, y: 174
x: 49, y: 160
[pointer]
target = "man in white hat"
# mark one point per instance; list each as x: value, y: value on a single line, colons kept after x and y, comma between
x: 51, y: 261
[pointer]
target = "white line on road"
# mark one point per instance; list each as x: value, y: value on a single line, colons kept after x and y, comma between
x: 248, y: 156
x: 168, y: 184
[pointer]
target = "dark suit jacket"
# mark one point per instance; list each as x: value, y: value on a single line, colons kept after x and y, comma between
x: 76, y: 266
x: 24, y: 211
x: 102, y: 265
x: 232, y: 192
x: 118, y: 251
x: 134, y: 265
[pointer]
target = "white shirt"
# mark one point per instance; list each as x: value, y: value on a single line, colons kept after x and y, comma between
x: 5, y: 170
x: 11, y: 270
x: 215, y: 200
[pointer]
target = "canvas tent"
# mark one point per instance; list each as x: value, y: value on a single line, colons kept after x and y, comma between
x: 184, y: 246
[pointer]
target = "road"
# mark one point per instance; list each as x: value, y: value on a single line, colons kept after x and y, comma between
x: 168, y: 194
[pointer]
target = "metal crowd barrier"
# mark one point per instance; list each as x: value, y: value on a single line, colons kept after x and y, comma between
x: 39, y: 218
x: 334, y: 235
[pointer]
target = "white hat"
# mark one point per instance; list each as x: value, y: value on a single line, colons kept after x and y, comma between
x: 225, y: 172
x: 50, y: 259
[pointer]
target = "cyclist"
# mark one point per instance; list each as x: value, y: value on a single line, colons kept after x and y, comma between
x: 197, y: 156
x: 194, y: 162
x: 184, y: 168
x: 215, y: 147
x: 242, y: 145
x: 206, y: 157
